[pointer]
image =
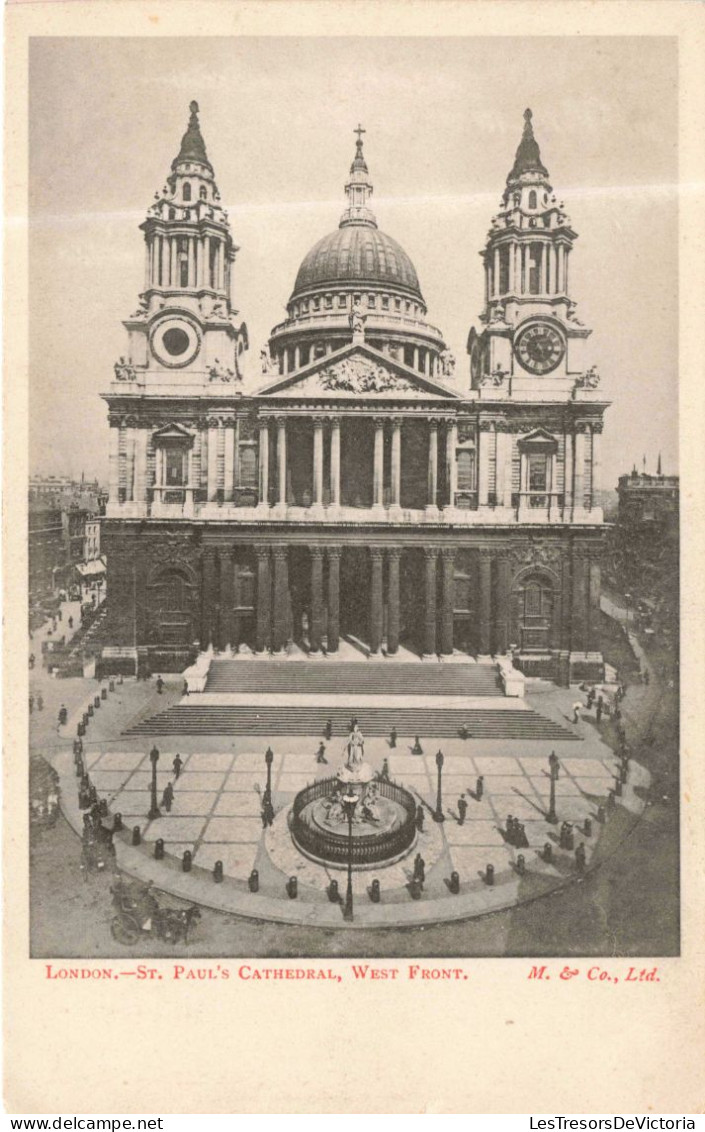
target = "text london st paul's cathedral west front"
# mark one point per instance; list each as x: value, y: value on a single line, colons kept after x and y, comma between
x: 365, y: 490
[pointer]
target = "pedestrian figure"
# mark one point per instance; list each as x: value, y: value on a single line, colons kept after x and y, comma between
x: 419, y: 868
x: 160, y: 685
x: 40, y: 702
x: 31, y: 660
x: 31, y: 704
x: 185, y: 688
x: 462, y: 809
x: 480, y: 787
x: 580, y: 858
x: 554, y: 764
x: 509, y: 829
x: 321, y: 755
x: 562, y: 835
x: 647, y: 676
x: 591, y: 697
x: 417, y: 749
x: 522, y: 841
x: 63, y: 715
x: 328, y: 729
x: 598, y: 708
x: 393, y: 738
x: 70, y: 622
x: 177, y: 765
x: 384, y: 773
x: 576, y: 711
x: 168, y: 797
x: 463, y: 732
x: 419, y: 818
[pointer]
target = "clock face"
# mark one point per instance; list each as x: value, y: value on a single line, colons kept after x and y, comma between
x: 175, y: 341
x: 539, y: 347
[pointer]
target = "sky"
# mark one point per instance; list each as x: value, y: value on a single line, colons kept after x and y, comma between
x: 443, y: 119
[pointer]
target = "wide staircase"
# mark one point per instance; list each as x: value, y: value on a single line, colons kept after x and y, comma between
x: 386, y: 678
x: 441, y: 723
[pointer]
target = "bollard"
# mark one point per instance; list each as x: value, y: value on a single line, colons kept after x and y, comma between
x: 96, y: 701
x: 417, y: 749
x: 89, y: 713
x: 79, y: 767
x: 111, y: 686
x: 187, y: 861
x: 253, y: 881
x: 81, y: 730
x: 333, y: 893
x: 415, y: 888
x: 601, y: 814
x: 618, y: 787
x: 521, y: 864
x: 454, y: 885
x: 117, y: 823
x: 103, y: 808
x: 587, y: 827
x: 375, y: 892
x: 489, y: 875
x: 159, y: 849
x: 548, y: 853
x: 480, y: 788
x: 292, y: 888
x: 580, y: 858
x: 136, y: 835
x: 85, y: 717
x: 218, y: 872
x: 103, y: 693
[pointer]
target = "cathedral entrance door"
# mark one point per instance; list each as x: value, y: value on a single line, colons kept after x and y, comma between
x: 355, y: 593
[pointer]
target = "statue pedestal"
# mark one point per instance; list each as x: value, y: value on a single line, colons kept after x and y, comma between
x: 355, y: 780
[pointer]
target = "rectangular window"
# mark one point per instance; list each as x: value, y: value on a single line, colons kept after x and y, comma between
x: 341, y: 301
x: 371, y: 302
x: 174, y: 463
x: 385, y: 302
x: 504, y: 270
x: 466, y: 469
x: 329, y: 302
x: 538, y: 472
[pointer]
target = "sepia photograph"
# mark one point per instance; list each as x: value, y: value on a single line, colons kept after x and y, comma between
x: 353, y: 498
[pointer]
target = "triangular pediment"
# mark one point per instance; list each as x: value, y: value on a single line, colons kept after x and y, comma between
x: 538, y: 437
x: 357, y: 371
x: 172, y: 431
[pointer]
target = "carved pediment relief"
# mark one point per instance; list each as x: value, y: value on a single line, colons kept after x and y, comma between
x: 358, y: 375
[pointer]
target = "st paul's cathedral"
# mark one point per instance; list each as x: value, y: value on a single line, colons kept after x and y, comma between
x: 368, y: 491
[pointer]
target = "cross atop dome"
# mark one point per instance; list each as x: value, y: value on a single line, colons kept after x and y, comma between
x: 359, y: 163
x: 359, y: 188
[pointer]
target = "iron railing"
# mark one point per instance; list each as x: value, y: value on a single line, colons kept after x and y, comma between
x: 367, y: 849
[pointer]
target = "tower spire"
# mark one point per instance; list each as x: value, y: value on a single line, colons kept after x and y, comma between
x: 193, y: 147
x: 528, y: 154
x: 358, y: 189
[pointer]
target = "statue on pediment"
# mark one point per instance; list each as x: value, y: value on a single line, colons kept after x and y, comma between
x: 265, y: 359
x: 447, y: 363
x: 496, y: 378
x: 357, y: 320
x: 124, y: 370
x: 219, y: 372
x: 588, y: 380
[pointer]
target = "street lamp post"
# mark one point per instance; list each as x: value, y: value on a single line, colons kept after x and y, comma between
x: 551, y: 816
x: 438, y: 812
x: 154, y: 811
x: 349, y: 804
x: 269, y: 759
x: 627, y: 598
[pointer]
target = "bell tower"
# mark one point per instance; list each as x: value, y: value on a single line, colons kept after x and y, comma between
x: 185, y: 329
x: 532, y: 336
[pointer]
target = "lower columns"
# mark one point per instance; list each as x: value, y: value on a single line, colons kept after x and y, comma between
x: 226, y: 600
x: 207, y: 590
x: 376, y: 612
x: 316, y: 627
x: 393, y: 556
x: 447, y: 611
x: 501, y: 631
x: 333, y: 557
x: 431, y: 556
x: 580, y: 598
x: 264, y: 593
x: 281, y: 588
x: 485, y: 601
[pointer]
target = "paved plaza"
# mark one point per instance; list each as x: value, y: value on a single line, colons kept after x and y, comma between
x: 216, y: 816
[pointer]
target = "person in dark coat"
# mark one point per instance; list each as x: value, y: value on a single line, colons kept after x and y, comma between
x: 393, y: 738
x: 160, y: 685
x: 177, y: 765
x: 462, y: 809
x: 480, y: 787
x: 168, y: 797
x: 384, y: 773
x: 598, y: 708
x: 328, y: 729
x: 321, y: 753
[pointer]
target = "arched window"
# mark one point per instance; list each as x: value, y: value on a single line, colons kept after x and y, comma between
x: 187, y: 191
x: 202, y: 192
x: 533, y: 200
x: 172, y: 214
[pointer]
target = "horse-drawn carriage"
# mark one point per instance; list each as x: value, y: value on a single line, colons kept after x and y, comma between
x: 138, y: 913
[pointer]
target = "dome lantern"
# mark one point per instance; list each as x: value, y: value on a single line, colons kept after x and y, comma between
x: 358, y: 189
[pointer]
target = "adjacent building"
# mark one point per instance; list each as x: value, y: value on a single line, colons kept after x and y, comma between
x: 362, y: 488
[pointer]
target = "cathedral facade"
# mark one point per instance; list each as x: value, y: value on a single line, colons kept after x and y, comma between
x: 364, y: 489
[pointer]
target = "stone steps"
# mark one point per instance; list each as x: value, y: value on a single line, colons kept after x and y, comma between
x: 386, y: 678
x: 188, y: 719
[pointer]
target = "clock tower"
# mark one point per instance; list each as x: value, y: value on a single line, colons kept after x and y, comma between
x: 532, y: 338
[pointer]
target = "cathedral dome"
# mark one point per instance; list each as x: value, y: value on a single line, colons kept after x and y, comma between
x: 357, y: 253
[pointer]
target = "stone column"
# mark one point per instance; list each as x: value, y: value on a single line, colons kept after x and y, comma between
x: 199, y: 263
x: 483, y: 477
x: 580, y: 600
x: 207, y: 262
x: 511, y: 253
x: 316, y: 627
x: 375, y: 598
x: 431, y: 560
x: 396, y: 463
x: 393, y: 557
x: 229, y: 463
x: 594, y: 587
x: 560, y: 287
x: 451, y: 461
x: 416, y: 357
x: 579, y: 478
x: 207, y: 597
x: 448, y: 608
x: 595, y: 479
x: 335, y: 463
x: 432, y: 503
x: 114, y: 464
x: 165, y: 275
x: 130, y: 463
x: 485, y: 601
x: 527, y: 268
x: 544, y: 268
x: 281, y: 588
x: 226, y: 598
x: 567, y: 474
x: 317, y: 462
x: 503, y: 474
x: 333, y: 556
x: 191, y: 262
x: 212, y: 461
x: 501, y: 627
x: 281, y: 456
x: 141, y: 441
x: 378, y: 476
x: 263, y: 463
x: 497, y: 277
x: 264, y: 599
